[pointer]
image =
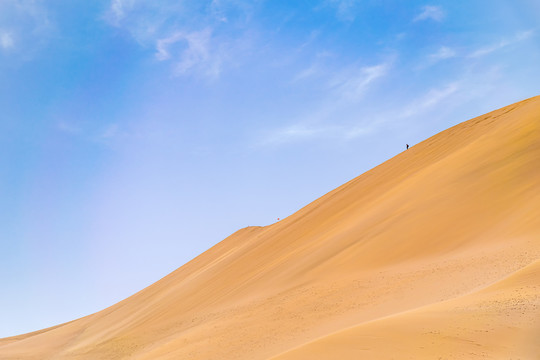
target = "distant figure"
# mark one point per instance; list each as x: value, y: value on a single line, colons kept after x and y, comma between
x: 407, y: 146
x: 277, y: 219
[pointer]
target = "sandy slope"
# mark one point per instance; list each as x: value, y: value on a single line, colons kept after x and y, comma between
x: 497, y: 322
x: 433, y: 254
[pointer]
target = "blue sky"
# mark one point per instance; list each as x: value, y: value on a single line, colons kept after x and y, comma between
x: 136, y: 134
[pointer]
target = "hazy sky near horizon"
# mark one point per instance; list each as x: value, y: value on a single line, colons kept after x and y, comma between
x: 137, y: 134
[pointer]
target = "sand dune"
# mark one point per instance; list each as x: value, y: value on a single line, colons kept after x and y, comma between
x: 434, y: 254
x: 498, y: 322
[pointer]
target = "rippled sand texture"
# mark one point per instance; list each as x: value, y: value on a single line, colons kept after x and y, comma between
x: 434, y: 254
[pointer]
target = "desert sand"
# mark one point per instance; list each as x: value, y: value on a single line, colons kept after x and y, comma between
x: 434, y: 254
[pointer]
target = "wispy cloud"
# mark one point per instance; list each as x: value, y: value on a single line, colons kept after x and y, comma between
x: 101, y: 133
x: 332, y: 118
x: 308, y: 72
x: 317, y: 68
x: 118, y: 9
x: 191, y: 50
x: 430, y: 99
x: 25, y: 26
x: 430, y: 12
x: 182, y: 33
x: 68, y: 127
x: 163, y: 51
x: 303, y: 132
x: 110, y: 131
x: 486, y: 50
x: 352, y: 83
x: 6, y: 40
x: 293, y: 133
x: 343, y: 89
x: 345, y: 9
x: 358, y: 131
x: 443, y: 53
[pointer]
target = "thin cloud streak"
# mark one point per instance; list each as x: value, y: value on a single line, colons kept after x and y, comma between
x: 522, y: 36
x: 443, y: 53
x: 26, y: 27
x: 430, y: 12
x: 118, y: 8
x: 189, y: 45
x: 351, y: 84
x: 293, y: 133
x: 6, y: 40
x: 344, y: 9
x: 110, y: 131
x: 312, y: 71
x: 68, y: 127
x: 299, y: 133
x: 430, y: 99
x: 345, y: 90
x: 196, y: 53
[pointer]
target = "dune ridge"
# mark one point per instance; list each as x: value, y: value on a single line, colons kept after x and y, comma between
x: 433, y: 254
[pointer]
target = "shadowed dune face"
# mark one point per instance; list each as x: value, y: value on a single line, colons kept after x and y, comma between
x: 432, y: 254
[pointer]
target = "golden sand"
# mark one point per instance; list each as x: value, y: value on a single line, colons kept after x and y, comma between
x: 434, y: 254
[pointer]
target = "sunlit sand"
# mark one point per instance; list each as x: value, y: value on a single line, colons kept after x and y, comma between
x: 434, y: 254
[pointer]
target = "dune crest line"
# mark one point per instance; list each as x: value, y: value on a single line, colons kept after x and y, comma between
x: 433, y: 254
